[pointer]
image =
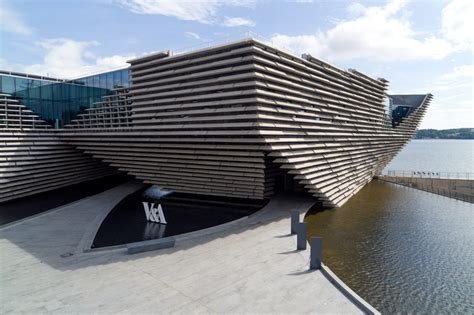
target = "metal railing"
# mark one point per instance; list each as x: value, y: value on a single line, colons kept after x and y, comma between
x: 429, y: 174
x: 448, y: 193
x: 451, y: 191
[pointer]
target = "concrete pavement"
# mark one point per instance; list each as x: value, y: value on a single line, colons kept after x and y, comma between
x: 250, y: 266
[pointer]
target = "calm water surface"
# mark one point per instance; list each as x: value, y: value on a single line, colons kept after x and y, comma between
x: 436, y: 156
x: 401, y: 249
x: 127, y: 223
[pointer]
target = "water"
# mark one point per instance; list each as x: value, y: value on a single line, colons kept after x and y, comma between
x: 435, y: 155
x: 17, y: 209
x: 405, y: 250
x: 401, y: 249
x: 184, y: 213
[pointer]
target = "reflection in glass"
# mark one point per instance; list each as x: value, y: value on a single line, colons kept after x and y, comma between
x: 110, y: 81
x: 8, y: 85
x: 62, y: 100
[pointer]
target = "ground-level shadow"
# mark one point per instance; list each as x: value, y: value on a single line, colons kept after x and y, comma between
x: 55, y: 241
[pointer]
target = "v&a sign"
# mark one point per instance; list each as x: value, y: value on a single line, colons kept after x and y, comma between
x: 154, y: 214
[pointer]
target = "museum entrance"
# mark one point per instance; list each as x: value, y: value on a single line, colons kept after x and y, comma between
x: 278, y: 180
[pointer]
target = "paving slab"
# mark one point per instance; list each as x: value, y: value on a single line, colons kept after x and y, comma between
x: 250, y: 266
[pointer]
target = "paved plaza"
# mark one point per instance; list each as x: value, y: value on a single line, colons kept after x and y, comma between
x: 248, y: 266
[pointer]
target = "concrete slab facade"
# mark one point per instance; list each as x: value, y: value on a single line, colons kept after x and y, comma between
x: 32, y: 162
x: 227, y: 120
x: 231, y: 120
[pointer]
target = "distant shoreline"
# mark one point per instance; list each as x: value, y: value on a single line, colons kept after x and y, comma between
x: 446, y: 134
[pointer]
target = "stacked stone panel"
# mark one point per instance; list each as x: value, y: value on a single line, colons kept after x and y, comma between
x: 207, y: 122
x: 32, y: 157
x: 229, y: 120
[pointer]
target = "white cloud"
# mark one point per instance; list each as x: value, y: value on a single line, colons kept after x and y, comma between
x: 203, y: 11
x: 237, y: 21
x: 453, y: 104
x: 193, y: 35
x: 458, y: 23
x: 457, y: 82
x: 458, y: 118
x: 67, y: 58
x: 356, y: 9
x: 378, y: 32
x: 301, y: 1
x: 11, y: 21
x: 460, y: 72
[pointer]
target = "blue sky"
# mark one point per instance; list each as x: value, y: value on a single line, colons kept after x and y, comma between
x: 419, y: 46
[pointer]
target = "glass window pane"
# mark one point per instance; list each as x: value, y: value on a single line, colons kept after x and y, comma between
x: 96, y: 94
x: 117, y: 78
x: 125, y: 77
x: 47, y: 92
x: 57, y: 91
x: 8, y: 85
x: 48, y: 104
x: 96, y: 81
x: 34, y: 105
x: 35, y: 91
x: 21, y: 88
x: 103, y: 81
x: 110, y: 80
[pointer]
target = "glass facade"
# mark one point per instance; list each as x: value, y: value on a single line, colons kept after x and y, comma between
x: 57, y: 101
x: 399, y: 113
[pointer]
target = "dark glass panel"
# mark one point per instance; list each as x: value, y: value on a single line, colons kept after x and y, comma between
x: 96, y: 81
x: 97, y: 93
x: 87, y: 93
x: 84, y: 101
x: 110, y: 80
x: 103, y: 80
x: 21, y: 88
x: 35, y: 91
x: 66, y: 91
x: 56, y: 109
x: 66, y: 116
x: 46, y: 109
x: 81, y: 92
x: 125, y: 77
x: 8, y: 85
x: 117, y: 78
x: 58, y: 91
x: 72, y: 91
x: 47, y: 91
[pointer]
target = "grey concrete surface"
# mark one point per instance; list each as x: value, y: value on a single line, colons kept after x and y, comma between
x: 248, y: 267
x: 145, y: 246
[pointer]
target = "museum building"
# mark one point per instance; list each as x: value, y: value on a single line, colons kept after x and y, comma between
x: 239, y: 120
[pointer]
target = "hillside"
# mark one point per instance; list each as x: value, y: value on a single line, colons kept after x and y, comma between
x: 460, y: 133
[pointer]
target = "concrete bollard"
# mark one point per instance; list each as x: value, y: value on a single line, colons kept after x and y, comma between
x: 301, y: 236
x: 316, y: 253
x: 295, y: 219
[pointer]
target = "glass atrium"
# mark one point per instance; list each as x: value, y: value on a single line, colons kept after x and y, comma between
x: 58, y: 101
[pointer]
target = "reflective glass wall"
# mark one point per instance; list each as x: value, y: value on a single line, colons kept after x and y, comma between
x: 58, y: 102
